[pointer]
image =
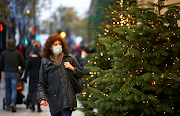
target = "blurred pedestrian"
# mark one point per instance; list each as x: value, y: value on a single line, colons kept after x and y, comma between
x: 57, y: 67
x: 22, y: 49
x: 10, y: 60
x: 32, y: 69
x: 85, y: 51
x: 78, y: 53
x: 29, y: 48
x: 84, y: 54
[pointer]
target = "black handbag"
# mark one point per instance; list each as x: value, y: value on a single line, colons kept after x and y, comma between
x: 76, y: 83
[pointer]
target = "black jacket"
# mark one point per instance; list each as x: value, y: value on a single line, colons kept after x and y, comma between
x: 10, y: 60
x: 54, y: 84
x: 32, y: 68
x: 82, y: 64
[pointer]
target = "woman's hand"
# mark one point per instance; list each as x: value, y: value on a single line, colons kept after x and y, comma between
x: 69, y: 66
x: 44, y: 102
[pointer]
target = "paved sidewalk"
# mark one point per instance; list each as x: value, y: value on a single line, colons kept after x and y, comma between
x: 22, y: 111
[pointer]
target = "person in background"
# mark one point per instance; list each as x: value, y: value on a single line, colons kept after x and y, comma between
x: 21, y: 48
x: 28, y: 54
x: 84, y: 54
x: 29, y: 48
x: 57, y: 67
x: 10, y: 60
x: 32, y: 69
x: 39, y: 44
x: 78, y: 53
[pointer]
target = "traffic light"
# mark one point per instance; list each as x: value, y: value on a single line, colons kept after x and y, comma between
x: 11, y: 23
x: 3, y: 35
x: 33, y: 31
x: 37, y: 38
x: 1, y: 27
x: 26, y: 41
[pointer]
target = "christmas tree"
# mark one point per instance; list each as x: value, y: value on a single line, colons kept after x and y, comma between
x: 97, y: 17
x: 100, y: 60
x: 143, y: 48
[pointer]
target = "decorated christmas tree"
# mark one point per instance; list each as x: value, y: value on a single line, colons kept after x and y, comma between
x: 97, y: 17
x: 99, y: 61
x: 143, y: 48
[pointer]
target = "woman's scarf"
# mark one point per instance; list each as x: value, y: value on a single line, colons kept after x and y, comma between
x: 59, y: 59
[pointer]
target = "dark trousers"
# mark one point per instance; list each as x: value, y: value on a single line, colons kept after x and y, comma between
x: 33, y: 94
x: 65, y: 112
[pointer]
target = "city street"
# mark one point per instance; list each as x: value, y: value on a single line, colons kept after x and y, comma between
x: 21, y: 108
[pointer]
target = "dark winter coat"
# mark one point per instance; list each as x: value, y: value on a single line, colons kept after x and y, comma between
x: 32, y: 69
x: 82, y: 64
x: 10, y: 60
x: 54, y: 84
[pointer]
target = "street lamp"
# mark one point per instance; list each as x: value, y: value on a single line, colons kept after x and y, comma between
x: 63, y: 34
x: 27, y: 11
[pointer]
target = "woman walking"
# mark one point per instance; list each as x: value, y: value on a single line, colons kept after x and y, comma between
x: 32, y: 69
x: 57, y: 67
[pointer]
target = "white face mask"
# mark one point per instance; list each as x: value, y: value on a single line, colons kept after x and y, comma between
x: 83, y: 56
x: 57, y: 50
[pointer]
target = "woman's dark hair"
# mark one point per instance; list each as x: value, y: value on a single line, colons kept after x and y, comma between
x: 50, y: 41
